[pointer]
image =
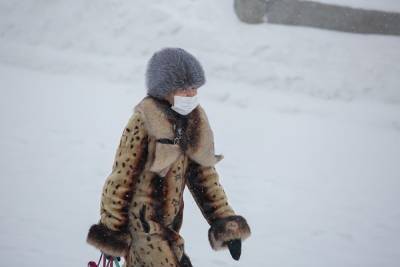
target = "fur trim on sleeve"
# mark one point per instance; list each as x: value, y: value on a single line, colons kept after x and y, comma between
x: 110, y: 242
x: 228, y: 228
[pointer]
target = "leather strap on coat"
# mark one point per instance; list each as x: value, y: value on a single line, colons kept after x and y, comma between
x: 197, y: 139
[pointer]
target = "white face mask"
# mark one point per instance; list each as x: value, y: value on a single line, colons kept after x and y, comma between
x: 185, y: 104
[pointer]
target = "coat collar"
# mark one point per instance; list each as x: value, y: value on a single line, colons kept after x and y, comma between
x: 198, y: 139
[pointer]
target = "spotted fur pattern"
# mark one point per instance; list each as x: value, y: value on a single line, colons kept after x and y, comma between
x: 149, y: 206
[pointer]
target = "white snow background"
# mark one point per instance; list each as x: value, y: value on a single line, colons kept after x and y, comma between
x: 308, y: 121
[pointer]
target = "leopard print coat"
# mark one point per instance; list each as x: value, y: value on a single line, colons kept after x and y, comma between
x: 142, y: 204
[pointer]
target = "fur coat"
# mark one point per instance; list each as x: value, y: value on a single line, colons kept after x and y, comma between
x: 142, y: 199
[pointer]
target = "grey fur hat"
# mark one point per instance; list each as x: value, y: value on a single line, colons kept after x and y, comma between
x: 170, y: 69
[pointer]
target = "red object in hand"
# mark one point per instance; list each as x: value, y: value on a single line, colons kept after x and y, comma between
x: 92, y: 264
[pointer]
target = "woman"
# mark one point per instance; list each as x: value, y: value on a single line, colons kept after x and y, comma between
x: 166, y: 145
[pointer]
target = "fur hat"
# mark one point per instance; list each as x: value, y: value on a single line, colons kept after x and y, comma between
x: 170, y: 69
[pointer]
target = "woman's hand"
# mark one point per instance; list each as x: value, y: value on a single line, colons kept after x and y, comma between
x: 235, y: 248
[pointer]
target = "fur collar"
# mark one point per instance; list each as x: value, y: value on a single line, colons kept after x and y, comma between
x: 197, y: 142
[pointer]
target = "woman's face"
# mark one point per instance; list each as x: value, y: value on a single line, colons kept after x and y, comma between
x: 192, y: 91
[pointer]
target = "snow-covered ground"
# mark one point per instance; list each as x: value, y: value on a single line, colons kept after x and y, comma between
x: 308, y: 121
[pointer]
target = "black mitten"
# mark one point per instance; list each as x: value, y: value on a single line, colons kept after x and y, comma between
x: 229, y: 232
x: 235, y: 248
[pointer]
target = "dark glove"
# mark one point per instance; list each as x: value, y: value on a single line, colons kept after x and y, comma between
x: 229, y: 232
x: 235, y: 248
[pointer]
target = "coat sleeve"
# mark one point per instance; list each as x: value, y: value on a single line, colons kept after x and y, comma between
x: 111, y: 234
x: 203, y: 183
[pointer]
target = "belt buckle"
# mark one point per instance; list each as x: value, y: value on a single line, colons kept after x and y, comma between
x: 176, y: 140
